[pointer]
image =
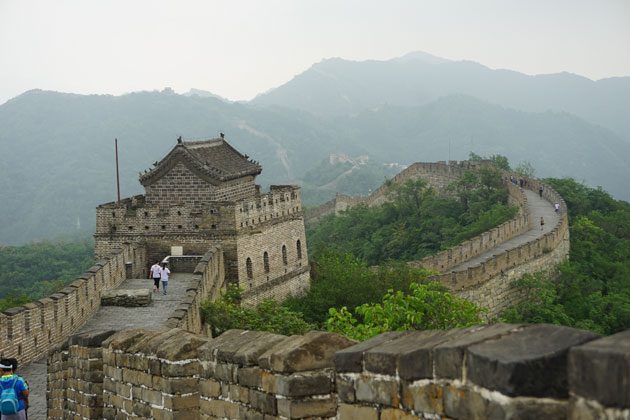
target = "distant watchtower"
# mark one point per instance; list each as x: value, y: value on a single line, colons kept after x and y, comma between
x: 203, y: 194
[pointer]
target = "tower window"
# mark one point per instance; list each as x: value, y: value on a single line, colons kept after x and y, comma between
x: 250, y: 270
x: 266, y: 261
x: 284, y: 255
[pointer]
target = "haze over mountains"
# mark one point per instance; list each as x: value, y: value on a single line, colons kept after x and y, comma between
x: 58, y: 160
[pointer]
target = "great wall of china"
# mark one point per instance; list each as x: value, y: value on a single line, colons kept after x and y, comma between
x: 173, y: 370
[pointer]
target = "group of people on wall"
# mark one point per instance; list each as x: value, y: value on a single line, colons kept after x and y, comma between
x: 160, y: 273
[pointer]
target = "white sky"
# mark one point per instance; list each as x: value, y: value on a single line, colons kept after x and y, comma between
x: 238, y: 49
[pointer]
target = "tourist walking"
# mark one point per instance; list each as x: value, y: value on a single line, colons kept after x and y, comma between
x: 156, y: 275
x: 540, y: 191
x: 557, y: 206
x: 13, y: 392
x: 542, y: 223
x: 164, y: 272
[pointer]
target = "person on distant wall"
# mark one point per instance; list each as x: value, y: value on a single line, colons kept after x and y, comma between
x: 557, y: 206
x: 156, y: 275
x: 542, y: 223
x: 540, y: 191
x: 164, y: 272
x: 13, y: 392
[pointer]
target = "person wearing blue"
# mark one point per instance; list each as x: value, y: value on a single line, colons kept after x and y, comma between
x: 13, y: 393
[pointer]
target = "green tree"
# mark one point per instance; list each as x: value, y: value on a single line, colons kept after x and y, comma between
x: 341, y: 279
x: 227, y: 313
x: 525, y: 168
x: 426, y: 306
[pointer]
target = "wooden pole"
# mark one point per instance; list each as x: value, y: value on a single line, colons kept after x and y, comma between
x: 117, y: 177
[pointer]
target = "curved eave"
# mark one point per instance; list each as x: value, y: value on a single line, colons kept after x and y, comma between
x: 180, y: 154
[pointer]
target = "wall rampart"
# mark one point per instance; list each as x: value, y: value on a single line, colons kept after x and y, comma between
x: 499, y: 371
x: 29, y: 331
x: 208, y: 281
x: 451, y: 257
x: 490, y: 284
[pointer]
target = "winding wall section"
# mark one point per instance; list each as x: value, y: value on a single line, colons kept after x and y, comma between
x: 501, y: 255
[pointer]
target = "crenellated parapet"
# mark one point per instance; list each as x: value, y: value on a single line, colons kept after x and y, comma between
x: 29, y: 331
x: 499, y: 371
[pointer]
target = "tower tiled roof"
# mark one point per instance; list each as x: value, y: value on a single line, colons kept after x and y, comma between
x: 214, y: 160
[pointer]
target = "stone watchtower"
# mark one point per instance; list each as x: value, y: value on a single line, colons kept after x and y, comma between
x: 203, y: 194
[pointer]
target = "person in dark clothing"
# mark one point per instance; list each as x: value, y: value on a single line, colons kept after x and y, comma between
x: 540, y: 191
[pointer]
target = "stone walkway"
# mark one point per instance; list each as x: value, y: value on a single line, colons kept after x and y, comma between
x: 112, y: 317
x: 537, y: 207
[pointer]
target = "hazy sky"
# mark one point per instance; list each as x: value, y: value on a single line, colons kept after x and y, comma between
x: 238, y: 49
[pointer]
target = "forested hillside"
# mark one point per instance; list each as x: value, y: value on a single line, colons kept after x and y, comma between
x: 33, y: 271
x: 58, y: 160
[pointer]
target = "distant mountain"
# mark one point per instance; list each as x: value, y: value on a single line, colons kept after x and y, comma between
x: 341, y: 87
x: 205, y: 94
x: 58, y: 163
x: 340, y: 173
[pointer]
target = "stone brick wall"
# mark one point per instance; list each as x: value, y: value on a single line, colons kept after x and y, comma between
x: 244, y: 229
x: 267, y: 255
x: 181, y: 186
x: 28, y: 332
x: 498, y: 371
x: 208, y: 281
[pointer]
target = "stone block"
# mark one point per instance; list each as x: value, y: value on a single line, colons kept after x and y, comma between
x: 250, y: 376
x: 423, y: 398
x: 298, y: 384
x: 530, y: 362
x: 249, y: 354
x: 94, y: 338
x: 525, y: 409
x: 263, y: 401
x: 179, y: 402
x: 357, y: 412
x: 345, y: 388
x: 449, y: 356
x: 207, y: 352
x: 350, y: 359
x: 396, y: 414
x: 298, y: 409
x: 464, y: 403
x: 378, y: 391
x: 600, y: 370
x: 410, y: 356
x: 314, y: 350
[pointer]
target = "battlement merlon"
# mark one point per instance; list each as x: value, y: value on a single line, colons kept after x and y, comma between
x: 135, y: 216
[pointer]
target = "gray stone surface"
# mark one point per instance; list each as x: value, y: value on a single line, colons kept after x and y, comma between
x: 384, y: 358
x: 449, y: 356
x: 127, y: 298
x: 531, y: 362
x: 150, y: 317
x: 351, y: 358
x: 600, y: 370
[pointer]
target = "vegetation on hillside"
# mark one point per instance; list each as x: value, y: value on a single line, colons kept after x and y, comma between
x: 377, y: 298
x: 592, y: 289
x: 30, y: 272
x: 415, y: 222
x: 424, y: 307
x: 227, y: 313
